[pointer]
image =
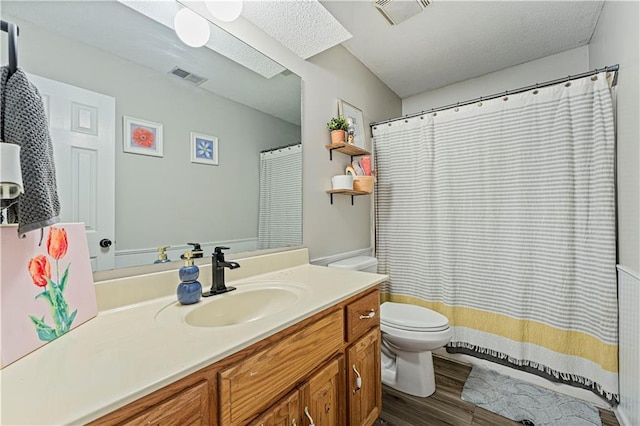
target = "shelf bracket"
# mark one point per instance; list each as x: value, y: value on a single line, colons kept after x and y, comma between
x: 331, y: 198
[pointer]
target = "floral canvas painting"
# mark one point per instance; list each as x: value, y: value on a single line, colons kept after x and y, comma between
x: 204, y: 149
x: 46, y: 289
x: 142, y: 137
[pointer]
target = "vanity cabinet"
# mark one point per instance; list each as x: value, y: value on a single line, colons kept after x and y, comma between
x: 248, y: 387
x: 284, y: 413
x: 306, y: 371
x: 188, y: 407
x: 323, y: 396
x: 363, y: 384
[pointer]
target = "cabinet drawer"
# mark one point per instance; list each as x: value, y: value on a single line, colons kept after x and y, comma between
x: 189, y: 407
x: 250, y: 386
x: 363, y: 314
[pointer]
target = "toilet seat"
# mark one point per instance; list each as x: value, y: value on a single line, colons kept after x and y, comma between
x: 407, y: 317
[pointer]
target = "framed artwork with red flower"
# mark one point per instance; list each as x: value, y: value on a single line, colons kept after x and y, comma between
x: 142, y: 136
x: 204, y: 149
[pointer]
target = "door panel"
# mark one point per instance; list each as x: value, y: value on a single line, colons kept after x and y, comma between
x: 323, y: 396
x: 82, y: 128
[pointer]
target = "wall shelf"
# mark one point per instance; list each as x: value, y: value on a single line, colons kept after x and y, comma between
x: 346, y: 149
x: 345, y: 192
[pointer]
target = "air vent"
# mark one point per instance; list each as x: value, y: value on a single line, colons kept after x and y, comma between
x: 397, y: 11
x: 186, y: 75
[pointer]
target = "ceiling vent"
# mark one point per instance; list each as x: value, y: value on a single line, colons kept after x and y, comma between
x: 186, y: 75
x: 397, y: 11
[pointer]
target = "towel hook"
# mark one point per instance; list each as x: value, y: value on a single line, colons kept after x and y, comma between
x: 13, y: 31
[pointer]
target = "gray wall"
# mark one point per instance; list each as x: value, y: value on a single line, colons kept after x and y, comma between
x: 573, y: 61
x: 616, y: 41
x: 169, y: 200
x: 335, y: 73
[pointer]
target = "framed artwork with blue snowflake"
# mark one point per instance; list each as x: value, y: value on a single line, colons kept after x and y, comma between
x: 204, y: 149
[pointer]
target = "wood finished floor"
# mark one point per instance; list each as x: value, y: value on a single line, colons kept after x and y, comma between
x: 445, y: 407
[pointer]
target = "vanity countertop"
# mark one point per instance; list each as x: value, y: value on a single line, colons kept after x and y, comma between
x: 126, y: 353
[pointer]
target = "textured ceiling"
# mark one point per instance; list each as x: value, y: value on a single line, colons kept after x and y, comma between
x: 453, y: 41
x: 303, y: 26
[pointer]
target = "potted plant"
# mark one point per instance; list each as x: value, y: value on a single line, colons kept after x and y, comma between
x: 338, y: 126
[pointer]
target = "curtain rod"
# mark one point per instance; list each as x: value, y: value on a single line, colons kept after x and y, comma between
x: 280, y: 147
x: 610, y: 68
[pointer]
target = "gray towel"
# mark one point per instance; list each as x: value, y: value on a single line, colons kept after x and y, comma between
x: 23, y: 122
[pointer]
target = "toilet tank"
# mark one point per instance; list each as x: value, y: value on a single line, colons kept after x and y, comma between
x: 358, y: 263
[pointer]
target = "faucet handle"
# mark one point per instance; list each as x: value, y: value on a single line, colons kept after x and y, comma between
x: 218, y: 254
x: 197, y: 250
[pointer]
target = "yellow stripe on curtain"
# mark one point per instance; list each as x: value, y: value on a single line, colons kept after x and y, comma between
x: 567, y: 342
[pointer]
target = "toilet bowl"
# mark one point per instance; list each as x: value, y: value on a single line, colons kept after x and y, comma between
x: 409, y: 334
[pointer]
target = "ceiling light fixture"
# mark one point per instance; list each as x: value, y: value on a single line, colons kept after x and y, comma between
x: 191, y: 28
x: 225, y: 10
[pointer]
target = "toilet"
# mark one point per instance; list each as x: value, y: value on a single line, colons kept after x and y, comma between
x: 409, y: 334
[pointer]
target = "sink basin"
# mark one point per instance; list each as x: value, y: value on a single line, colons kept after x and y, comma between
x: 250, y: 302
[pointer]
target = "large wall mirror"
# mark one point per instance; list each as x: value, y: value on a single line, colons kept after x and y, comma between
x: 248, y: 198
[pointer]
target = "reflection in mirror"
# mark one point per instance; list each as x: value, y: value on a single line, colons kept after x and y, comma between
x: 238, y: 101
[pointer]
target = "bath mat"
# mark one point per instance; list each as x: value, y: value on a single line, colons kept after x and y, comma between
x: 524, y: 402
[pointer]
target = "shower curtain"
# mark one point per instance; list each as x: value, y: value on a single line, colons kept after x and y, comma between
x: 501, y: 216
x: 280, y: 214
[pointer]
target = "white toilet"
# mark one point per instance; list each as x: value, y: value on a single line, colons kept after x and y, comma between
x: 409, y: 334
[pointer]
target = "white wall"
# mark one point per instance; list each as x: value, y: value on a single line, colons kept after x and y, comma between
x: 616, y: 40
x: 572, y: 61
x: 341, y: 227
x: 169, y: 200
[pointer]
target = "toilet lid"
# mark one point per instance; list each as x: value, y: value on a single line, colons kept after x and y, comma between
x: 412, y: 318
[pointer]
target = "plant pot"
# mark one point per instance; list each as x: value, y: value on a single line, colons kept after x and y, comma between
x: 338, y: 136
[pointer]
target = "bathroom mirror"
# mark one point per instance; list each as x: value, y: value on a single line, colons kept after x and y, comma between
x: 247, y: 102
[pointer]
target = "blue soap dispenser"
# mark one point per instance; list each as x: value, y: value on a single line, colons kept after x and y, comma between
x: 190, y: 289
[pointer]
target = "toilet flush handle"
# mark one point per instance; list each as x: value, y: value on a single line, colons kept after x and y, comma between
x: 370, y: 315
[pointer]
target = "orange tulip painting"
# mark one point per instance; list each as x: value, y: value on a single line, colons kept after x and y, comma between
x: 53, y: 291
x: 40, y: 270
x: 57, y: 243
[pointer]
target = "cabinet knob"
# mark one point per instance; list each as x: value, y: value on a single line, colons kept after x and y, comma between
x: 370, y: 315
x: 105, y: 243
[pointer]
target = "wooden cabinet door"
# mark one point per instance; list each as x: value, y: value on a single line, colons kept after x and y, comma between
x: 189, y: 407
x: 365, y: 395
x: 284, y: 413
x: 252, y: 385
x: 323, y: 396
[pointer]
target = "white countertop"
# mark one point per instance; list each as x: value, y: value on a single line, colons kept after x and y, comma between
x: 131, y: 351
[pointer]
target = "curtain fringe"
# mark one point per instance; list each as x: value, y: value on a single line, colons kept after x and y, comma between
x: 532, y: 367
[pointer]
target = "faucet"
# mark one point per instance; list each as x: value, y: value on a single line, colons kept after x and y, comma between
x: 217, y: 271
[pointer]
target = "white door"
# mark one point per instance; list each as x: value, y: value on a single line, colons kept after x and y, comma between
x: 82, y: 126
